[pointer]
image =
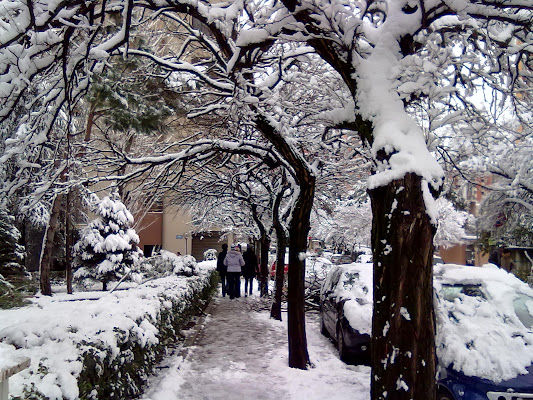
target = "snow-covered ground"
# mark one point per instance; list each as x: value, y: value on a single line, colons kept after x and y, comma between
x: 241, y: 354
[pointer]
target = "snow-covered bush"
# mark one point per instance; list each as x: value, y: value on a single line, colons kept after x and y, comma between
x: 210, y: 254
x: 451, y: 223
x: 165, y: 263
x: 107, y: 249
x: 112, y: 345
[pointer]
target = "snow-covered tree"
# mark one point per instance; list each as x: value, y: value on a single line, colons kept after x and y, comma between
x: 451, y: 224
x: 507, y: 208
x: 11, y: 252
x: 107, y: 249
x: 390, y: 58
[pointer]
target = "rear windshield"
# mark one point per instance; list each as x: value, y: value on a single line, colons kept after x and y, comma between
x: 451, y: 292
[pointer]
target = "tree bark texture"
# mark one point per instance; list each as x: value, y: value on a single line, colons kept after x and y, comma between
x: 69, y: 243
x: 48, y: 247
x: 263, y: 277
x: 298, y: 231
x: 403, y: 324
x: 275, y: 310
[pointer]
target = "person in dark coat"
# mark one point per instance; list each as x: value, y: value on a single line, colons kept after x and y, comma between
x: 222, y: 269
x: 506, y: 260
x: 495, y: 256
x: 248, y: 271
x: 234, y: 262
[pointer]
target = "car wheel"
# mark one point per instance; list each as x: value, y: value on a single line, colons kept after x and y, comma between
x: 341, y: 345
x: 443, y: 394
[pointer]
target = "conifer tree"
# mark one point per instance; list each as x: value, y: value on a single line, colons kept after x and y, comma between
x: 11, y: 252
x: 107, y: 249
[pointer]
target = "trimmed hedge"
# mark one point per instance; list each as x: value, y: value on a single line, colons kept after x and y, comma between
x: 122, y: 377
x: 108, y: 352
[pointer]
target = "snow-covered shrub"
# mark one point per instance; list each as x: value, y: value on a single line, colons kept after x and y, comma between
x: 186, y: 266
x: 107, y: 249
x: 165, y: 263
x: 113, y: 344
x: 210, y: 254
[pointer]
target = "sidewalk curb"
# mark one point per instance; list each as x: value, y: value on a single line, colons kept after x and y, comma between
x: 191, y: 339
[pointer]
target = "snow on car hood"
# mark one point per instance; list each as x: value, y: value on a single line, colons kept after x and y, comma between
x: 481, y: 335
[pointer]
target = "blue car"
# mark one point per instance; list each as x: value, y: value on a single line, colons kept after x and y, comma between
x: 454, y: 385
x: 484, y: 337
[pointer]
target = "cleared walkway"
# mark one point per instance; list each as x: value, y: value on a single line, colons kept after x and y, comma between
x: 241, y: 354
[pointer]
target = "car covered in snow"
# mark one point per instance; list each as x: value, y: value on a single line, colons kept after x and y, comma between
x: 346, y: 309
x: 484, y: 338
x: 484, y: 334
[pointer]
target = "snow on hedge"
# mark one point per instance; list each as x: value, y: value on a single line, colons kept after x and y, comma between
x: 59, y: 332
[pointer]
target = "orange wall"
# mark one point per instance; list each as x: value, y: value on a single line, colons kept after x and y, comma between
x: 454, y: 255
x: 151, y: 229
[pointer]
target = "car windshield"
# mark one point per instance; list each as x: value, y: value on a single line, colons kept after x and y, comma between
x: 451, y: 292
x: 523, y: 307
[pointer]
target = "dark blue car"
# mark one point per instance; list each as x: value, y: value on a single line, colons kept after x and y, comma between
x: 453, y: 385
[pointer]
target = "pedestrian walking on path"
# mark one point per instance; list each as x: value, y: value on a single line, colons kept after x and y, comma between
x: 248, y: 271
x: 234, y: 262
x: 222, y: 269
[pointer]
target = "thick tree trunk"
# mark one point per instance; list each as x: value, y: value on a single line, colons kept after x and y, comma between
x: 275, y: 310
x: 403, y: 325
x: 48, y: 247
x: 265, y: 246
x: 298, y: 231
x: 68, y: 244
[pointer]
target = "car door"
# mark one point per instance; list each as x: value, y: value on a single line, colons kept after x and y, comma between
x: 329, y: 303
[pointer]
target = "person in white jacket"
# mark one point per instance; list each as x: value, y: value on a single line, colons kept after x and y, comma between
x: 234, y: 262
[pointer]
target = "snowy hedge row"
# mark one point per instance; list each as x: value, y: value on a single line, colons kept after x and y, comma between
x: 102, y: 347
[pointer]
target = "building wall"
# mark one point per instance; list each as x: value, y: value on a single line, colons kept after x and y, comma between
x: 454, y: 255
x: 463, y: 254
x: 150, y: 230
x: 176, y: 227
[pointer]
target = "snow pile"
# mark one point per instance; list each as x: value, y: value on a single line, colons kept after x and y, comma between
x: 480, y: 333
x: 92, y: 348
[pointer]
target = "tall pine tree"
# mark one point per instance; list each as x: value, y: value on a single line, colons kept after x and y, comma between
x: 107, y: 249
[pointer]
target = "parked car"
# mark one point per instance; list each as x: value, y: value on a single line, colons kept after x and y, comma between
x: 346, y: 310
x: 285, y: 269
x: 484, y: 327
x: 484, y: 334
x: 341, y: 259
x: 364, y: 258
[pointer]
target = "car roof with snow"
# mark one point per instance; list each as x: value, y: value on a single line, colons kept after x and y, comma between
x: 484, y: 321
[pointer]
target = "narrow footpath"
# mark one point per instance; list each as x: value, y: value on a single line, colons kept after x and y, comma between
x: 236, y: 352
